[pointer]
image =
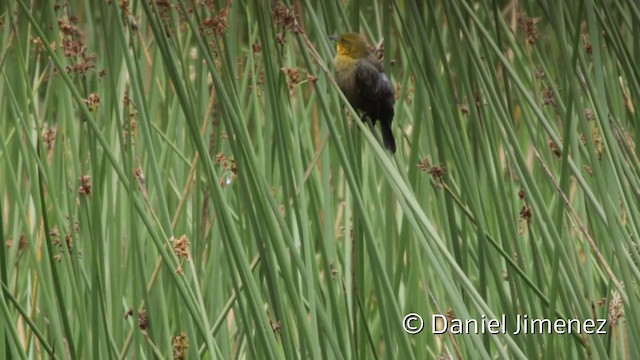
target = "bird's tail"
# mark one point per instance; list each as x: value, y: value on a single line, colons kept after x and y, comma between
x: 387, y: 137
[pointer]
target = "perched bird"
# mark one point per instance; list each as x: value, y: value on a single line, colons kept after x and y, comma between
x: 364, y: 83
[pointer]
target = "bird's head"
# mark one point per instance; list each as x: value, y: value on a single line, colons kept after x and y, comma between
x: 351, y: 45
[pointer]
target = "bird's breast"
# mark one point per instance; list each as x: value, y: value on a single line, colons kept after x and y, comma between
x: 345, y: 76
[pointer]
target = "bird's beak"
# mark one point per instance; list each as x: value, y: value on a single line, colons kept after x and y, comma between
x: 334, y: 37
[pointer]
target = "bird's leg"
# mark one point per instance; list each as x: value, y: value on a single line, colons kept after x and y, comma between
x: 369, y: 121
x: 366, y: 118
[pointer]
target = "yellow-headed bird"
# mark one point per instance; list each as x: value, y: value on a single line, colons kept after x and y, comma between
x: 364, y: 83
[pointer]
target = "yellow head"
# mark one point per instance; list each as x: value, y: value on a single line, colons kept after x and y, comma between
x: 351, y: 45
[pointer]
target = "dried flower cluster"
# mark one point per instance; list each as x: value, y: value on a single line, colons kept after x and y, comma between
x: 285, y: 19
x: 22, y: 243
x: 181, y: 246
x: 529, y: 26
x: 49, y: 137
x: 92, y: 101
x: 526, y: 213
x: 143, y: 320
x: 216, y: 25
x: 85, y: 185
x: 54, y: 233
x: 548, y: 98
x: 181, y: 249
x: 554, y: 148
x: 180, y: 345
x: 74, y: 48
x: 228, y: 165
x: 294, y: 78
x: 436, y: 172
x: 596, y: 136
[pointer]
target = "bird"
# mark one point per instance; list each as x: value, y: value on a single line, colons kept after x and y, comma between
x: 363, y: 81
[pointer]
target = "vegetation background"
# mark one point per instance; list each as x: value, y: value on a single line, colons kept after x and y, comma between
x: 183, y: 179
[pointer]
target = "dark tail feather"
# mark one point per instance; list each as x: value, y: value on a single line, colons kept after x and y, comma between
x: 387, y: 137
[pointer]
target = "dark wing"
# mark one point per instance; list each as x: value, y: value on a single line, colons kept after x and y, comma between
x: 376, y: 93
x: 376, y: 97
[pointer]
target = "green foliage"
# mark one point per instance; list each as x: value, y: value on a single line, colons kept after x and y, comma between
x: 185, y: 179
